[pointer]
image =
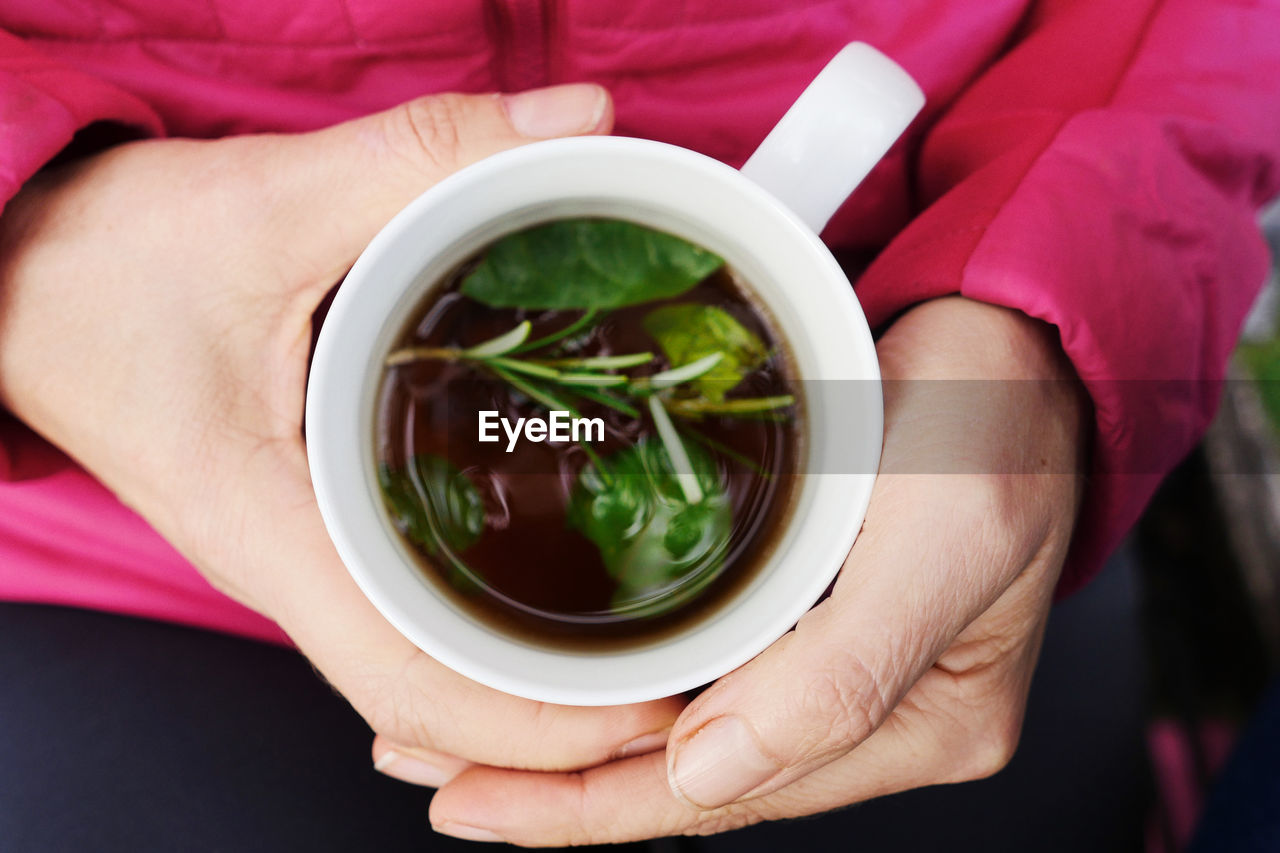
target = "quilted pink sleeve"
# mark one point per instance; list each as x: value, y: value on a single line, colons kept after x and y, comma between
x: 43, y: 105
x: 1104, y: 176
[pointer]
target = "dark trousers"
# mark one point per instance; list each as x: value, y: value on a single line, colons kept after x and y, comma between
x: 1242, y: 814
x: 118, y: 734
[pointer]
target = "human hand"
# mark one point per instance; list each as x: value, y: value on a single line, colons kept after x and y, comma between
x: 155, y: 322
x: 915, y: 671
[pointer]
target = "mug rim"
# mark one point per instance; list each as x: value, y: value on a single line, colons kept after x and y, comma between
x: 529, y: 181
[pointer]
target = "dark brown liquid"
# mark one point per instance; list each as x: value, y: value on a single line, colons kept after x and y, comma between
x: 534, y: 576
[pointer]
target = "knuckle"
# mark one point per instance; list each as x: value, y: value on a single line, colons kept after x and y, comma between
x: 586, y: 833
x: 992, y: 498
x: 990, y: 514
x: 847, y: 696
x: 990, y: 751
x: 398, y: 705
x: 1021, y: 508
x: 428, y: 131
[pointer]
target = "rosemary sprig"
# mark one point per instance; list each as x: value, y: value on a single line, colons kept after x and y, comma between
x: 599, y: 380
x: 533, y: 391
x: 600, y: 362
x: 676, y: 375
x: 408, y: 355
x: 501, y: 345
x: 680, y: 463
x: 576, y: 326
x: 606, y: 398
x: 553, y: 403
x: 740, y: 406
x: 517, y: 365
x: 590, y: 378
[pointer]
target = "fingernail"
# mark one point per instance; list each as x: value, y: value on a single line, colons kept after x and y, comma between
x: 406, y: 768
x: 643, y: 745
x: 718, y: 764
x: 467, y: 833
x: 557, y: 110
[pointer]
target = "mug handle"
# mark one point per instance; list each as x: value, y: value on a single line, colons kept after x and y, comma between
x: 835, y: 132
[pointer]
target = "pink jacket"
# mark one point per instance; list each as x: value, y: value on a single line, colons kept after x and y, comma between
x: 1094, y: 164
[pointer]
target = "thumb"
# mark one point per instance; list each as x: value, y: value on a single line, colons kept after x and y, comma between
x: 803, y: 703
x: 359, y: 174
x: 825, y: 687
x: 935, y: 552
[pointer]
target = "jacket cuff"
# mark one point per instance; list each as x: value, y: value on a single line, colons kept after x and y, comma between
x: 1144, y: 261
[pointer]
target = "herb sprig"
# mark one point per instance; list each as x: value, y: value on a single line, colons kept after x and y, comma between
x: 658, y: 510
x: 596, y: 379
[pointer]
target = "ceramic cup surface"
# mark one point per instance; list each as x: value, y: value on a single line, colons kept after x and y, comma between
x: 775, y: 251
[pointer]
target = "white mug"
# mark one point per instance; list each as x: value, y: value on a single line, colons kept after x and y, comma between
x: 764, y: 222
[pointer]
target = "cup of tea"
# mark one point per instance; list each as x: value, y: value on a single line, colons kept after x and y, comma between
x: 596, y: 420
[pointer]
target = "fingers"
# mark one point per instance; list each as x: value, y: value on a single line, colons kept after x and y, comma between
x: 431, y: 768
x: 415, y: 765
x: 925, y: 742
x: 937, y: 549
x: 327, y: 193
x: 283, y: 553
x: 621, y: 801
x: 347, y: 181
x: 825, y: 687
x: 960, y: 721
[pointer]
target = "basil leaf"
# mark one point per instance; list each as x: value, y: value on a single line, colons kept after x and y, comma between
x: 587, y: 264
x: 689, y: 332
x: 659, y: 548
x: 433, y: 504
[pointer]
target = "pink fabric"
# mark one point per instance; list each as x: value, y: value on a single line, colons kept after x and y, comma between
x: 65, y: 539
x: 1110, y: 191
x: 1184, y: 759
x: 1101, y: 174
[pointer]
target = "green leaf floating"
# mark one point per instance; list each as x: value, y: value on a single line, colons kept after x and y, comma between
x: 587, y: 264
x: 689, y: 332
x: 433, y: 504
x: 658, y: 547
